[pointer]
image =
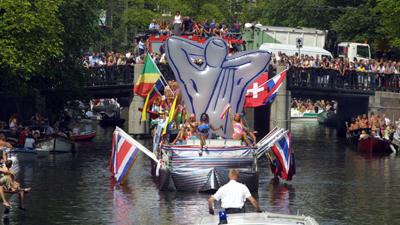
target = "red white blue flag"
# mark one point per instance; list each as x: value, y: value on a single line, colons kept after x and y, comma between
x: 283, y: 152
x: 123, y: 154
x: 273, y: 85
x: 263, y: 91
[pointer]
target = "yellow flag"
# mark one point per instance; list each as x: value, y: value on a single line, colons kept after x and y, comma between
x: 171, y: 114
x: 144, y: 110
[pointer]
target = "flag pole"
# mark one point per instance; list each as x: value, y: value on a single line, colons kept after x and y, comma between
x: 161, y: 75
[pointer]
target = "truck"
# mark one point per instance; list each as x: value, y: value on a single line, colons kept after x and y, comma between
x: 256, y: 35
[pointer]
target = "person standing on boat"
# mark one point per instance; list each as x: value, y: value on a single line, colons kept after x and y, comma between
x: 233, y: 195
x: 203, y: 130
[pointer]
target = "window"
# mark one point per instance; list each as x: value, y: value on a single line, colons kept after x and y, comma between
x: 363, y: 51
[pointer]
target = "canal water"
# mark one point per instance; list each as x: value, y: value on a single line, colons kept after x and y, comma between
x: 334, y: 184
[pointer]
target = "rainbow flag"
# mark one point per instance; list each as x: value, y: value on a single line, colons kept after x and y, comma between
x: 150, y: 74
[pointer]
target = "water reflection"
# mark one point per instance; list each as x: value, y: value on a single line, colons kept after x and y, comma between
x: 334, y: 183
x: 281, y: 195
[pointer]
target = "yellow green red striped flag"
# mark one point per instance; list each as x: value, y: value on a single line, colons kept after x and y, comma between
x: 150, y: 74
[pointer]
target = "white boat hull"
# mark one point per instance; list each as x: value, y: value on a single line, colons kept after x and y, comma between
x: 57, y: 144
x: 264, y: 218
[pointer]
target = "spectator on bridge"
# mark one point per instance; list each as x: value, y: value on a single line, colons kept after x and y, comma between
x: 177, y: 25
x: 154, y: 27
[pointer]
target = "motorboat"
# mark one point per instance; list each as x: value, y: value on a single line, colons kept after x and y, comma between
x: 83, y: 136
x: 304, y: 116
x: 55, y: 144
x: 265, y: 218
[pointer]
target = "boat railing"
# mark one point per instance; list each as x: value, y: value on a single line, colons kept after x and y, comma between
x: 266, y: 143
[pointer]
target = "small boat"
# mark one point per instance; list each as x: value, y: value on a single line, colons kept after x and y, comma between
x: 24, y: 153
x: 266, y: 218
x: 83, y: 136
x: 55, y: 144
x: 306, y: 116
x: 327, y: 118
x: 374, y: 145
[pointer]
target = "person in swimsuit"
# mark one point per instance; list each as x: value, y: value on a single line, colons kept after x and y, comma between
x: 238, y: 130
x: 203, y: 130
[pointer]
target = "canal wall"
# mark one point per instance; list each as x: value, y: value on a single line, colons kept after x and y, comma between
x: 387, y: 103
x: 135, y: 127
x: 280, y: 108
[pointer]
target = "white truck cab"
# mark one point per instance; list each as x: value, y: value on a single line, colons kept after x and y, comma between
x: 353, y: 50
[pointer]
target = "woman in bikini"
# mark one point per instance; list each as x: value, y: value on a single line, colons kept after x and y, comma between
x: 203, y: 129
x: 238, y: 129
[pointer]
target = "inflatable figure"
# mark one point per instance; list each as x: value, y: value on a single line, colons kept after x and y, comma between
x: 209, y: 79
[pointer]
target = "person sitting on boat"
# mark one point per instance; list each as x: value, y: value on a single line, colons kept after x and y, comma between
x: 13, y: 123
x: 204, y: 128
x: 364, y: 135
x: 10, y: 184
x: 183, y: 135
x: 387, y: 132
x: 238, y: 130
x: 22, y: 136
x: 3, y: 142
x: 29, y: 142
x: 192, y: 124
x: 233, y: 195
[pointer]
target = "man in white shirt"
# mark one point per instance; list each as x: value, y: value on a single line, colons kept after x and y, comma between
x: 233, y: 195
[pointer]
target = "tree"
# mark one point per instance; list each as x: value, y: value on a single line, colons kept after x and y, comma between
x: 389, y: 21
x: 30, y: 34
x: 357, y: 24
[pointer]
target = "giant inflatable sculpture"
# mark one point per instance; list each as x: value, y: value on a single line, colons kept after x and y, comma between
x: 218, y: 80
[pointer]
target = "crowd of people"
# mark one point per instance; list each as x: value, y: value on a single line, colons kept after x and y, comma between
x: 308, y: 106
x: 185, y: 25
x: 381, y: 66
x: 185, y: 126
x: 379, y: 126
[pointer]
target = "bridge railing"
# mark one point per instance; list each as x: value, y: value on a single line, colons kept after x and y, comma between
x: 349, y: 80
x: 109, y: 75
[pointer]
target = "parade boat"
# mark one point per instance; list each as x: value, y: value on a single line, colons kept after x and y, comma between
x: 189, y: 166
x: 265, y: 218
x: 83, y: 136
x: 367, y: 143
x: 184, y: 170
x: 374, y: 145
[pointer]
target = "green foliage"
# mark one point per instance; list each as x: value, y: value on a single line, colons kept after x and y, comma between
x: 389, y: 22
x: 30, y: 34
x: 210, y: 11
x: 80, y: 20
x: 357, y: 24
